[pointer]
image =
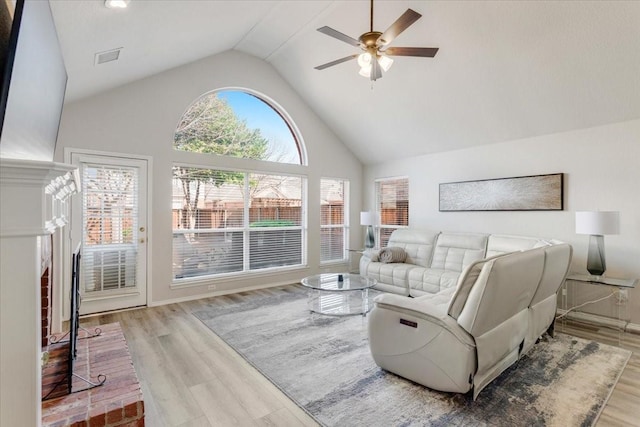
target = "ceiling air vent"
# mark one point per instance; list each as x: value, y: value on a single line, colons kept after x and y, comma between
x: 107, y: 56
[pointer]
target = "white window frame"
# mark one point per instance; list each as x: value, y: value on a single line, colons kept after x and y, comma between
x: 344, y: 225
x: 246, y: 229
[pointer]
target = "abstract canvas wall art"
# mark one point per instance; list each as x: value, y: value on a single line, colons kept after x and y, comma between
x: 523, y: 193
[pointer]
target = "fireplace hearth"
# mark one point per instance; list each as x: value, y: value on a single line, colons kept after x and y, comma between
x: 64, y: 373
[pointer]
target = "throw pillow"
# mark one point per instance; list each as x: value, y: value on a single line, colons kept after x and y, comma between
x: 392, y: 254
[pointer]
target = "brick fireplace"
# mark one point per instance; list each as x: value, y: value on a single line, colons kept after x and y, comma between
x: 34, y: 195
x: 46, y: 291
x: 33, y: 208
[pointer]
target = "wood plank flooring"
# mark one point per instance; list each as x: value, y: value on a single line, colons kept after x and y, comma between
x: 191, y: 378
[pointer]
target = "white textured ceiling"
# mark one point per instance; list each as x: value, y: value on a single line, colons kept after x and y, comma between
x: 505, y: 70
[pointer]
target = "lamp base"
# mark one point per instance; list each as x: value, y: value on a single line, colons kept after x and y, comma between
x: 596, y: 264
x: 369, y: 238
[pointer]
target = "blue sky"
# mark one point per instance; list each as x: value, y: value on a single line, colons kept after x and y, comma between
x: 260, y: 115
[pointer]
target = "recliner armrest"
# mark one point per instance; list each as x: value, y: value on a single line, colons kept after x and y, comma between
x: 423, y: 309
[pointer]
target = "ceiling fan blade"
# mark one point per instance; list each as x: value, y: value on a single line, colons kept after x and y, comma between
x: 428, y: 52
x: 401, y: 24
x: 338, y: 35
x: 336, y: 62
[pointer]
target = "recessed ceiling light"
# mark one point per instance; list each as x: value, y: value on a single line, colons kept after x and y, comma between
x: 116, y: 4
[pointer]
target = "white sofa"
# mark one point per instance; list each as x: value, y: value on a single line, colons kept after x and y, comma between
x: 480, y: 302
x: 435, y: 259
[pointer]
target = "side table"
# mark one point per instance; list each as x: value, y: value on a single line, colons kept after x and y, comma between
x: 585, y: 290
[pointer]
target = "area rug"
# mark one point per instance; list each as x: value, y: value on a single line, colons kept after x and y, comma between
x: 324, y: 365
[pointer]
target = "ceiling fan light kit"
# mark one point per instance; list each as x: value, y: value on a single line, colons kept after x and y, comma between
x: 116, y: 4
x: 375, y: 58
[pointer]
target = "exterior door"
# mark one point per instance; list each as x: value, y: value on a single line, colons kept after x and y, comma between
x: 109, y: 219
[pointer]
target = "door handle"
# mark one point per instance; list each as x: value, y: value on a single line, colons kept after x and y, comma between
x: 141, y: 240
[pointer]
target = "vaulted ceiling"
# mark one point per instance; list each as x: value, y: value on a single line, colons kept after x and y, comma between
x: 504, y: 71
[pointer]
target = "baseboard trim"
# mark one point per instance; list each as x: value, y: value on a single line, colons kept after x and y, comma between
x: 220, y: 293
x: 633, y: 328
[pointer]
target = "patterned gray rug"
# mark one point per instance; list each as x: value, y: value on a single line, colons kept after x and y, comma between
x: 323, y: 364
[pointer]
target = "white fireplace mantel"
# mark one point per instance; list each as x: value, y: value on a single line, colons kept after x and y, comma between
x: 33, y: 197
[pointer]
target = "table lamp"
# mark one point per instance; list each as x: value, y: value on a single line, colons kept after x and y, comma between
x: 368, y: 219
x: 596, y: 225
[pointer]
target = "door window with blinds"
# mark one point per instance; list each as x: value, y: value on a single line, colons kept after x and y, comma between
x: 392, y: 205
x: 333, y: 219
x: 229, y: 222
x: 110, y: 231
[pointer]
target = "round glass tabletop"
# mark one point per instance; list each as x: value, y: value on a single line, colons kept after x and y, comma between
x: 338, y: 282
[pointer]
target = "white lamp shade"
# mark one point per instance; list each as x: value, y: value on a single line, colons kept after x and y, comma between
x: 367, y: 218
x: 598, y: 223
x: 385, y: 62
x: 365, y: 71
x: 364, y: 60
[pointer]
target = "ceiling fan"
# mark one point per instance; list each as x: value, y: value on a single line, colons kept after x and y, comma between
x: 375, y: 58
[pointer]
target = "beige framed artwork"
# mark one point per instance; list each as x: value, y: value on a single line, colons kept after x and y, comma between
x: 522, y: 193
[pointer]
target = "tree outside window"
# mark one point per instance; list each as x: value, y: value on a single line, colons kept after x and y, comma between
x: 227, y: 221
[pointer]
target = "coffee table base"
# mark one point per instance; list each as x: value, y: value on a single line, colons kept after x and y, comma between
x: 339, y: 303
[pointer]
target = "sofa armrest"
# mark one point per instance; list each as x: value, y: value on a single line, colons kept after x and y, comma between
x: 372, y: 254
x: 423, y: 309
x: 419, y: 307
x: 419, y: 341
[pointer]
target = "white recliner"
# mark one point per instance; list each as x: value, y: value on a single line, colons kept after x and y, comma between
x: 463, y: 339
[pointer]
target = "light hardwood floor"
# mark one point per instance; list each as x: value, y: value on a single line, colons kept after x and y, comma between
x: 190, y: 377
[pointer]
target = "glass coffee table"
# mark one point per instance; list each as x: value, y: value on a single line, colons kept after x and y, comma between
x: 339, y: 294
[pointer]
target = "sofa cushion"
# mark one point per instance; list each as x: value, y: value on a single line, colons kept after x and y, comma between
x: 390, y: 274
x: 431, y: 280
x: 506, y: 285
x: 455, y: 251
x: 418, y: 244
x: 502, y: 244
x: 440, y: 299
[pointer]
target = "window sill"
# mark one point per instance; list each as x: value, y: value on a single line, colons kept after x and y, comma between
x: 332, y: 263
x: 236, y: 277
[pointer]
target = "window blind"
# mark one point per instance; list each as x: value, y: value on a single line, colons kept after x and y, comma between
x: 392, y: 204
x: 231, y: 221
x: 110, y: 232
x: 333, y: 227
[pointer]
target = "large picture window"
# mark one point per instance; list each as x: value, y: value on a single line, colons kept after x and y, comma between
x: 333, y: 219
x: 392, y: 205
x: 231, y: 221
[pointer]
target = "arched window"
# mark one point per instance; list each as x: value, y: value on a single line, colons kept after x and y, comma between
x: 234, y: 221
x: 238, y: 124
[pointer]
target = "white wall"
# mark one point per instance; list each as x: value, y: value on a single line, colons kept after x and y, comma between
x: 602, y: 171
x: 141, y: 118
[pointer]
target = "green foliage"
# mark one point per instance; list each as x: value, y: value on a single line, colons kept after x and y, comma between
x: 211, y: 126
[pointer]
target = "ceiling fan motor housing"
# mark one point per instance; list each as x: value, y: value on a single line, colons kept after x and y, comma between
x: 370, y: 39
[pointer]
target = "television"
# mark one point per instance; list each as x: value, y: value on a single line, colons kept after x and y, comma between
x: 34, y: 80
x: 74, y: 315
